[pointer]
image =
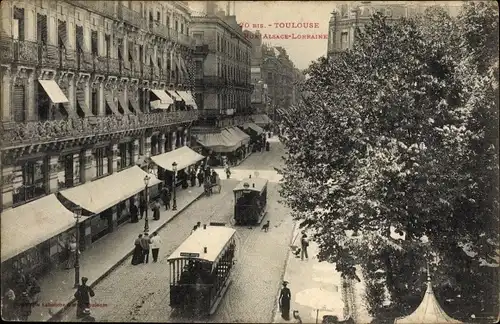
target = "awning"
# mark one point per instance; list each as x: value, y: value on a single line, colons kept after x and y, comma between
x: 253, y: 127
x: 218, y: 142
x: 183, y: 156
x: 174, y: 95
x: 53, y: 91
x: 101, y: 194
x: 157, y: 104
x: 123, y: 103
x: 244, y: 138
x: 188, y: 98
x: 261, y: 120
x: 110, y: 100
x: 135, y: 105
x: 33, y: 223
x: 164, y: 98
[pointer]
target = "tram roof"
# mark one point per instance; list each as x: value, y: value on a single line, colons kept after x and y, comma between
x: 255, y: 184
x: 214, y: 238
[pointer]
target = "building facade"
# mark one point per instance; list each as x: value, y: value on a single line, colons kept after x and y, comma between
x: 274, y: 77
x: 77, y: 81
x: 349, y: 15
x: 222, y: 85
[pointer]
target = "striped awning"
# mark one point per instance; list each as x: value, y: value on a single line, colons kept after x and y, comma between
x: 254, y: 127
x: 221, y: 142
x: 243, y: 137
x: 188, y: 98
x: 261, y: 120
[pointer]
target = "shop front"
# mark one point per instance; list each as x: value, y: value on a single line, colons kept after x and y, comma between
x: 35, y: 235
x: 219, y: 145
x: 244, y: 138
x: 105, y: 200
x: 185, y: 159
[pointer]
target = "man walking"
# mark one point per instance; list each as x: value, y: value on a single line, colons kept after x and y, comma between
x: 201, y: 177
x: 145, y: 243
x: 304, y: 243
x: 83, y: 295
x: 155, y: 246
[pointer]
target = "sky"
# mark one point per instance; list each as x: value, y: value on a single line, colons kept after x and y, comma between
x: 271, y: 14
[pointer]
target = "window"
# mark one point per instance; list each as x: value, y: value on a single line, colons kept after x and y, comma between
x: 69, y: 164
x: 62, y: 33
x: 93, y: 41
x: 182, y: 28
x: 126, y: 154
x: 33, y: 185
x: 79, y: 38
x: 19, y: 23
x: 176, y: 25
x: 107, y: 42
x: 168, y: 21
x: 158, y: 16
x: 41, y: 22
x: 94, y: 102
x: 344, y: 40
x: 101, y: 154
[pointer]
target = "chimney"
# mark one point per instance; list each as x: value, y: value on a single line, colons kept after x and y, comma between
x: 210, y: 7
x: 228, y: 8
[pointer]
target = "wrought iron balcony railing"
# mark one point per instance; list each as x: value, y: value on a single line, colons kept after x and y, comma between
x: 200, y: 50
x: 19, y: 52
x: 131, y: 17
x: 185, y: 40
x: 106, y: 8
x: 174, y: 35
x: 43, y: 131
x: 160, y: 30
x: 209, y: 113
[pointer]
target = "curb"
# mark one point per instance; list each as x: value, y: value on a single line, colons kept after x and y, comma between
x: 113, y: 267
x: 275, y: 309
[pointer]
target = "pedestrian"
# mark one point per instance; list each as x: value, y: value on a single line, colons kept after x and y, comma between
x: 138, y: 254
x: 284, y: 301
x: 23, y: 306
x: 156, y: 209
x: 87, y: 317
x: 193, y: 177
x: 33, y: 288
x: 134, y: 213
x: 155, y: 245
x: 83, y: 295
x: 145, y: 244
x: 304, y: 244
x: 19, y: 282
x: 70, y: 263
x: 142, y: 206
x: 165, y: 196
x: 9, y: 305
x: 228, y: 171
x: 207, y: 172
x: 201, y: 177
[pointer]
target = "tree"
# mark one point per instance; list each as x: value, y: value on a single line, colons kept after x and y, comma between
x: 397, y: 135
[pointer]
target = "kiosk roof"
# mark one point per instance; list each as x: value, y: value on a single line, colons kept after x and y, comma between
x: 255, y: 184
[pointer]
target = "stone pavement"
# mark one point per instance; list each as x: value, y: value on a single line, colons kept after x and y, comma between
x: 316, y: 289
x: 101, y: 258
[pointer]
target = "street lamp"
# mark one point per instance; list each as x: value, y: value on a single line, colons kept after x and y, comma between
x: 174, y: 168
x: 146, y: 183
x: 77, y: 213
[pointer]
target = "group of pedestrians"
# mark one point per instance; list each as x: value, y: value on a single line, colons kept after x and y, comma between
x: 143, y: 245
x: 20, y: 297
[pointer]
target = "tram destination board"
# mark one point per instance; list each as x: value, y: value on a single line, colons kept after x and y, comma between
x: 189, y: 255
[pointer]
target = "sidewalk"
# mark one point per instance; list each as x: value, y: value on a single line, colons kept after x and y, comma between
x: 315, y: 287
x: 101, y: 258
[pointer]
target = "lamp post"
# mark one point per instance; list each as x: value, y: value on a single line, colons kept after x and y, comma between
x: 78, y: 213
x: 174, y: 168
x: 146, y: 183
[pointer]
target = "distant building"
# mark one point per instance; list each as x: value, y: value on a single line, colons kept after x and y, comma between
x: 349, y: 15
x: 222, y: 84
x: 274, y: 77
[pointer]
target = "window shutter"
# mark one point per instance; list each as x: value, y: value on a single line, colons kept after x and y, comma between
x: 62, y: 33
x: 79, y: 38
x: 41, y: 22
x: 93, y: 39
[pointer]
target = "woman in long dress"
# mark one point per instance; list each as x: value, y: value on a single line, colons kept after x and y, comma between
x: 137, y: 256
x: 285, y: 296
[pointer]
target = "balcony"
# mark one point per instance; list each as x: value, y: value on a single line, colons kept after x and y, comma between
x: 174, y: 35
x: 200, y: 51
x: 51, y: 130
x: 113, y: 66
x: 68, y: 59
x: 132, y: 17
x: 210, y: 81
x: 100, y: 64
x: 19, y: 52
x: 106, y: 8
x: 185, y: 40
x: 160, y: 30
x: 84, y: 62
x: 49, y: 56
x: 209, y: 113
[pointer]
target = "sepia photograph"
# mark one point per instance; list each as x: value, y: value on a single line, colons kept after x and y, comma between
x: 319, y: 162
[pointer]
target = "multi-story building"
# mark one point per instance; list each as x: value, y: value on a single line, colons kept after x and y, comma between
x: 222, y: 81
x: 274, y: 77
x: 348, y: 15
x: 78, y: 82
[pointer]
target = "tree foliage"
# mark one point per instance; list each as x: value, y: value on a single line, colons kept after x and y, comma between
x: 400, y: 134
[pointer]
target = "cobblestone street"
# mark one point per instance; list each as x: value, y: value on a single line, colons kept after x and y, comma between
x: 141, y: 293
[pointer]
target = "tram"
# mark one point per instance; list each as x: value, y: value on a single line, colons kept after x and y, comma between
x: 250, y: 197
x: 200, y: 269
